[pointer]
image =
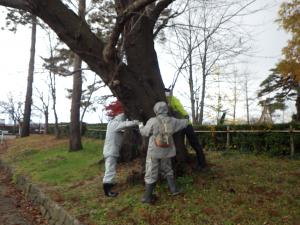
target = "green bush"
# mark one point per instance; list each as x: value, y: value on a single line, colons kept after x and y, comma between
x: 96, y: 130
x: 63, y: 128
x: 264, y: 141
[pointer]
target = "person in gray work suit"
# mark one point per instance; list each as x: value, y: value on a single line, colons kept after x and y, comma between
x: 159, y: 158
x: 112, y: 145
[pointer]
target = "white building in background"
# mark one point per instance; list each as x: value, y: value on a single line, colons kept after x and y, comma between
x: 2, y: 121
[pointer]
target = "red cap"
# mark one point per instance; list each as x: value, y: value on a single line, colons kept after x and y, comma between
x: 114, y: 108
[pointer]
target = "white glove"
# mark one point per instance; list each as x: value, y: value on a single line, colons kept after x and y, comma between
x: 141, y: 125
x: 136, y: 122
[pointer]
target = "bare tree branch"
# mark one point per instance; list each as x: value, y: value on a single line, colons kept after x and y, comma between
x: 160, y: 6
x: 17, y: 4
x: 164, y: 23
x: 73, y: 72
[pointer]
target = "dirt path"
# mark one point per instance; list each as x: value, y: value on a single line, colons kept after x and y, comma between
x: 14, y: 210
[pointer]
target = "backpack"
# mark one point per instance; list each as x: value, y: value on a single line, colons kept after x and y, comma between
x: 164, y: 138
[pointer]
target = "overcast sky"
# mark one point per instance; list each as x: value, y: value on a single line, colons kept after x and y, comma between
x: 14, y: 58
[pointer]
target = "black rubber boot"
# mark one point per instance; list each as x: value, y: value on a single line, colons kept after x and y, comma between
x: 194, y: 142
x: 201, y: 161
x: 172, y: 186
x: 107, y: 190
x: 148, y: 195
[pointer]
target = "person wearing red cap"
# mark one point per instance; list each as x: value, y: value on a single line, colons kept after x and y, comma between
x: 112, y: 144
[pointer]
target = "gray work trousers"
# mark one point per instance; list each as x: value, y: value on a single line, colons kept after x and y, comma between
x: 154, y: 166
x: 110, y: 169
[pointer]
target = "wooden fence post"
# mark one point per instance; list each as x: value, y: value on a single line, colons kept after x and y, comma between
x: 292, y: 142
x: 227, y: 137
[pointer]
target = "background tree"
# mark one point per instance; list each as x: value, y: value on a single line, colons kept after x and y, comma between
x: 235, y: 84
x: 52, y: 86
x: 53, y: 65
x: 75, y: 131
x: 15, y: 18
x: 13, y: 109
x: 89, y: 102
x: 216, y: 99
x: 89, y: 97
x: 44, y: 108
x: 247, y: 98
x: 289, y: 66
x: 279, y: 90
x: 208, y: 35
x: 289, y: 19
x: 28, y: 99
x: 272, y: 106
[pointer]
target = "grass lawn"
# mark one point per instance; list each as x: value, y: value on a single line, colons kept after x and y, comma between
x: 238, y: 188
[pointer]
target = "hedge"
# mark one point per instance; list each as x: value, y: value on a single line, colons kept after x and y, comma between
x: 264, y: 141
x: 258, y: 142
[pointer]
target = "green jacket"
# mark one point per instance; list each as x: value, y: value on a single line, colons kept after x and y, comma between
x: 177, y: 107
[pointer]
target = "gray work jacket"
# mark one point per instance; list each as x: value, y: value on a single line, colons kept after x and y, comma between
x: 152, y: 128
x: 114, y: 136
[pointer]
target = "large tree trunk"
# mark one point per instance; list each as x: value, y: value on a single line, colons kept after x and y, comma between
x: 140, y: 81
x: 132, y: 145
x: 144, y: 69
x: 75, y: 131
x: 75, y: 134
x: 28, y: 101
